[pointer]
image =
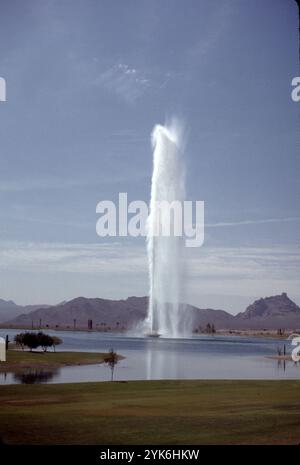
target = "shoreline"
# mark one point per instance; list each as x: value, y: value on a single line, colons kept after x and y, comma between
x: 18, y: 360
x: 286, y: 357
x: 255, y: 333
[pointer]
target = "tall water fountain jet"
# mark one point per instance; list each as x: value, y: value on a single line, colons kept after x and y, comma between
x: 165, y: 254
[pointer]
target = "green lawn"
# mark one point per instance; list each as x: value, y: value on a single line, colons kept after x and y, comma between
x: 20, y: 360
x: 158, y: 412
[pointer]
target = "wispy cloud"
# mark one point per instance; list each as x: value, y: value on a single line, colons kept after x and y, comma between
x: 63, y: 183
x: 245, y: 263
x: 216, y: 27
x: 105, y: 258
x: 244, y: 272
x: 205, y: 262
x: 126, y: 82
x: 126, y: 136
x: 241, y: 273
x: 248, y: 222
x: 19, y: 185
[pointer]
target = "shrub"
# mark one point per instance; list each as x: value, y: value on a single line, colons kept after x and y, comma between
x: 34, y: 340
x: 31, y: 341
x: 44, y: 340
x: 19, y: 340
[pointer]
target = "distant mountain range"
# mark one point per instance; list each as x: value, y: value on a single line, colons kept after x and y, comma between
x: 105, y: 312
x: 266, y: 313
x: 9, y: 310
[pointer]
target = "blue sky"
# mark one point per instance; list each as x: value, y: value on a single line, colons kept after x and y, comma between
x: 87, y: 81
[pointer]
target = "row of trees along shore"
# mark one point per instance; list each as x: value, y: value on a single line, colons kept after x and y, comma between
x: 35, y: 340
x: 210, y: 329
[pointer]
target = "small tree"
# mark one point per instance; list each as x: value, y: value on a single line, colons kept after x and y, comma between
x: 55, y: 342
x: 111, y: 360
x: 208, y: 328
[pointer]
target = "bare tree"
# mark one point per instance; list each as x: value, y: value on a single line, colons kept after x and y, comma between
x: 111, y: 360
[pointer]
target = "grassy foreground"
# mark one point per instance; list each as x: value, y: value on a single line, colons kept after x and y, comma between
x: 20, y: 360
x: 158, y: 412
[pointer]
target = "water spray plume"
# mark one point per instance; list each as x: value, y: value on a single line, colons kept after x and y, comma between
x: 165, y: 254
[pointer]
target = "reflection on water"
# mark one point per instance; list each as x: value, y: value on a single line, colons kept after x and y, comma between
x: 200, y: 357
x: 281, y: 364
x: 162, y: 364
x: 35, y: 376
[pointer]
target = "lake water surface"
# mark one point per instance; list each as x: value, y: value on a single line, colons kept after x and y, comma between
x: 199, y: 357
